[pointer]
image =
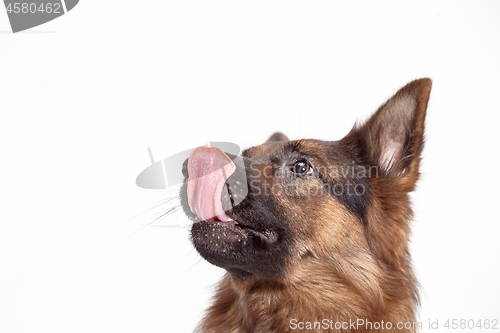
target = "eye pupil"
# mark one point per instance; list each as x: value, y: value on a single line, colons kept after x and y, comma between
x: 301, y: 167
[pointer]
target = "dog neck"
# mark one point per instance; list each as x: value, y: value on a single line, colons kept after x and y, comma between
x: 256, y: 304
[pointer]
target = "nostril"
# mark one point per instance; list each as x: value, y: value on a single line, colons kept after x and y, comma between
x: 230, y: 194
x: 185, y: 168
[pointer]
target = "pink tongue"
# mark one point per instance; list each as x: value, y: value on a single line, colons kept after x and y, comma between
x: 208, y: 169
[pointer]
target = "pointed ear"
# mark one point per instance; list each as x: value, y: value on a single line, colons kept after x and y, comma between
x: 393, y: 137
x: 277, y: 137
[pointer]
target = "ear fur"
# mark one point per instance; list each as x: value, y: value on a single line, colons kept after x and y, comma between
x: 393, y: 137
x: 277, y: 137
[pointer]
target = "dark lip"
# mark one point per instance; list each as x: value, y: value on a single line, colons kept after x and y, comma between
x: 243, y: 229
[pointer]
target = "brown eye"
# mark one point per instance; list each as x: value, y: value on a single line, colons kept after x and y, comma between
x: 302, y: 168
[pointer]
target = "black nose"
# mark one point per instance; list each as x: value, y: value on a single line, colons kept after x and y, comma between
x: 236, y: 187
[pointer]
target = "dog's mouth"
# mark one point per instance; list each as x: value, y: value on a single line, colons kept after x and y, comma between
x: 241, y: 232
x: 217, y: 228
x: 239, y: 248
x: 234, y: 231
x: 227, y: 231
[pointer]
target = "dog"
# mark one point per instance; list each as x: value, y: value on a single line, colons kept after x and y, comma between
x: 313, y: 234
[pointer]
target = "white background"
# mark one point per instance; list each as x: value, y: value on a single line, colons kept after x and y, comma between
x: 82, y: 97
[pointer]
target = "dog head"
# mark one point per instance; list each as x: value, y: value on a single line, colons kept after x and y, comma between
x: 285, y: 206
